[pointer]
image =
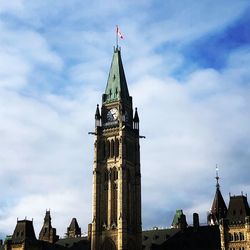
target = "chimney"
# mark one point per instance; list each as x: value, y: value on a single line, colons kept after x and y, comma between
x: 196, y: 222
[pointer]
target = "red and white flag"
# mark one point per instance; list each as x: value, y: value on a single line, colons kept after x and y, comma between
x: 118, y: 32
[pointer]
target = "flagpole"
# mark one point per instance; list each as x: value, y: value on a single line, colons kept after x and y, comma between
x: 117, y: 36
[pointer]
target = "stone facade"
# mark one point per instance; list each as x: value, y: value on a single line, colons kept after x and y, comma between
x: 116, y: 173
x: 235, y: 228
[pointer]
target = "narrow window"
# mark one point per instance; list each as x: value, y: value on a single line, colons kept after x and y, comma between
x: 108, y: 149
x: 112, y: 148
x: 116, y: 148
x: 236, y: 237
x: 241, y: 236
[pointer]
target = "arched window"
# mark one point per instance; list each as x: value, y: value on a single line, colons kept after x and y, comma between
x: 116, y: 147
x: 241, y: 236
x: 236, y: 237
x: 231, y: 237
x: 112, y: 148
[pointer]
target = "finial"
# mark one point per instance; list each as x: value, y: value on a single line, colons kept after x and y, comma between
x: 217, y: 177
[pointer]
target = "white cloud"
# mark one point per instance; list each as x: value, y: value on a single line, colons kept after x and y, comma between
x: 190, y: 125
x: 11, y: 6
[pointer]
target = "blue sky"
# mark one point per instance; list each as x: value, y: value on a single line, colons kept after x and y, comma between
x: 187, y: 67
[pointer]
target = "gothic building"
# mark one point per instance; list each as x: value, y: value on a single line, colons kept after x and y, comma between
x: 234, y: 221
x: 218, y: 210
x: 116, y: 200
x: 116, y: 172
x: 235, y: 228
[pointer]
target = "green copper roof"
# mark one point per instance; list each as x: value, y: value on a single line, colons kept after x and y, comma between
x: 177, y: 217
x: 116, y: 88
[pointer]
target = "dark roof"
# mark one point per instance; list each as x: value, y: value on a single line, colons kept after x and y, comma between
x: 24, y: 231
x: 201, y: 238
x: 80, y: 243
x: 219, y: 208
x: 156, y: 236
x: 74, y: 225
x: 136, y: 117
x: 116, y: 88
x: 238, y: 209
x: 97, y: 113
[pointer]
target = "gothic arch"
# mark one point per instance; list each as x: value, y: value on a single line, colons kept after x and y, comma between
x: 108, y: 244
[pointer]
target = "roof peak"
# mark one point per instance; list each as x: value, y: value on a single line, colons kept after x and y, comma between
x: 116, y: 88
x: 217, y: 177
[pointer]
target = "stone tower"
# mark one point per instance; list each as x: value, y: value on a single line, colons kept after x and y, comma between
x: 48, y: 233
x: 116, y: 204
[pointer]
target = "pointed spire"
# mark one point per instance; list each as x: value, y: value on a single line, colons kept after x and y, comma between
x: 97, y: 113
x: 74, y: 230
x: 136, y: 120
x: 219, y: 208
x: 48, y: 233
x: 136, y: 117
x: 97, y: 117
x: 116, y: 88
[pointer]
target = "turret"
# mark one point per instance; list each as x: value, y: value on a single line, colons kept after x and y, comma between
x: 219, y: 209
x: 48, y: 233
x: 136, y: 120
x: 74, y: 231
x: 97, y: 117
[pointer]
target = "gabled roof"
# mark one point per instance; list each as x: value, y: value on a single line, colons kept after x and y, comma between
x: 238, y: 209
x: 116, y: 88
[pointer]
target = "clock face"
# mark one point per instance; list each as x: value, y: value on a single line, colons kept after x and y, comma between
x: 112, y: 114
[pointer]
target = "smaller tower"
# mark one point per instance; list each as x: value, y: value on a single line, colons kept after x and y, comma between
x: 136, y: 120
x: 24, y: 231
x: 48, y: 233
x: 73, y: 231
x: 97, y: 117
x: 179, y: 220
x: 219, y: 209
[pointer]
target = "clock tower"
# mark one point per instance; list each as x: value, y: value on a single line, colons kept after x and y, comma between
x: 116, y: 204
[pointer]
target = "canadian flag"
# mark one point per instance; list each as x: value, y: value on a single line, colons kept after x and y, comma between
x: 119, y: 32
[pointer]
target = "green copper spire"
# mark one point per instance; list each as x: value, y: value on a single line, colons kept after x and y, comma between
x: 116, y: 88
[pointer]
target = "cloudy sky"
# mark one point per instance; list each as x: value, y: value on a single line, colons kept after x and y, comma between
x: 187, y: 67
